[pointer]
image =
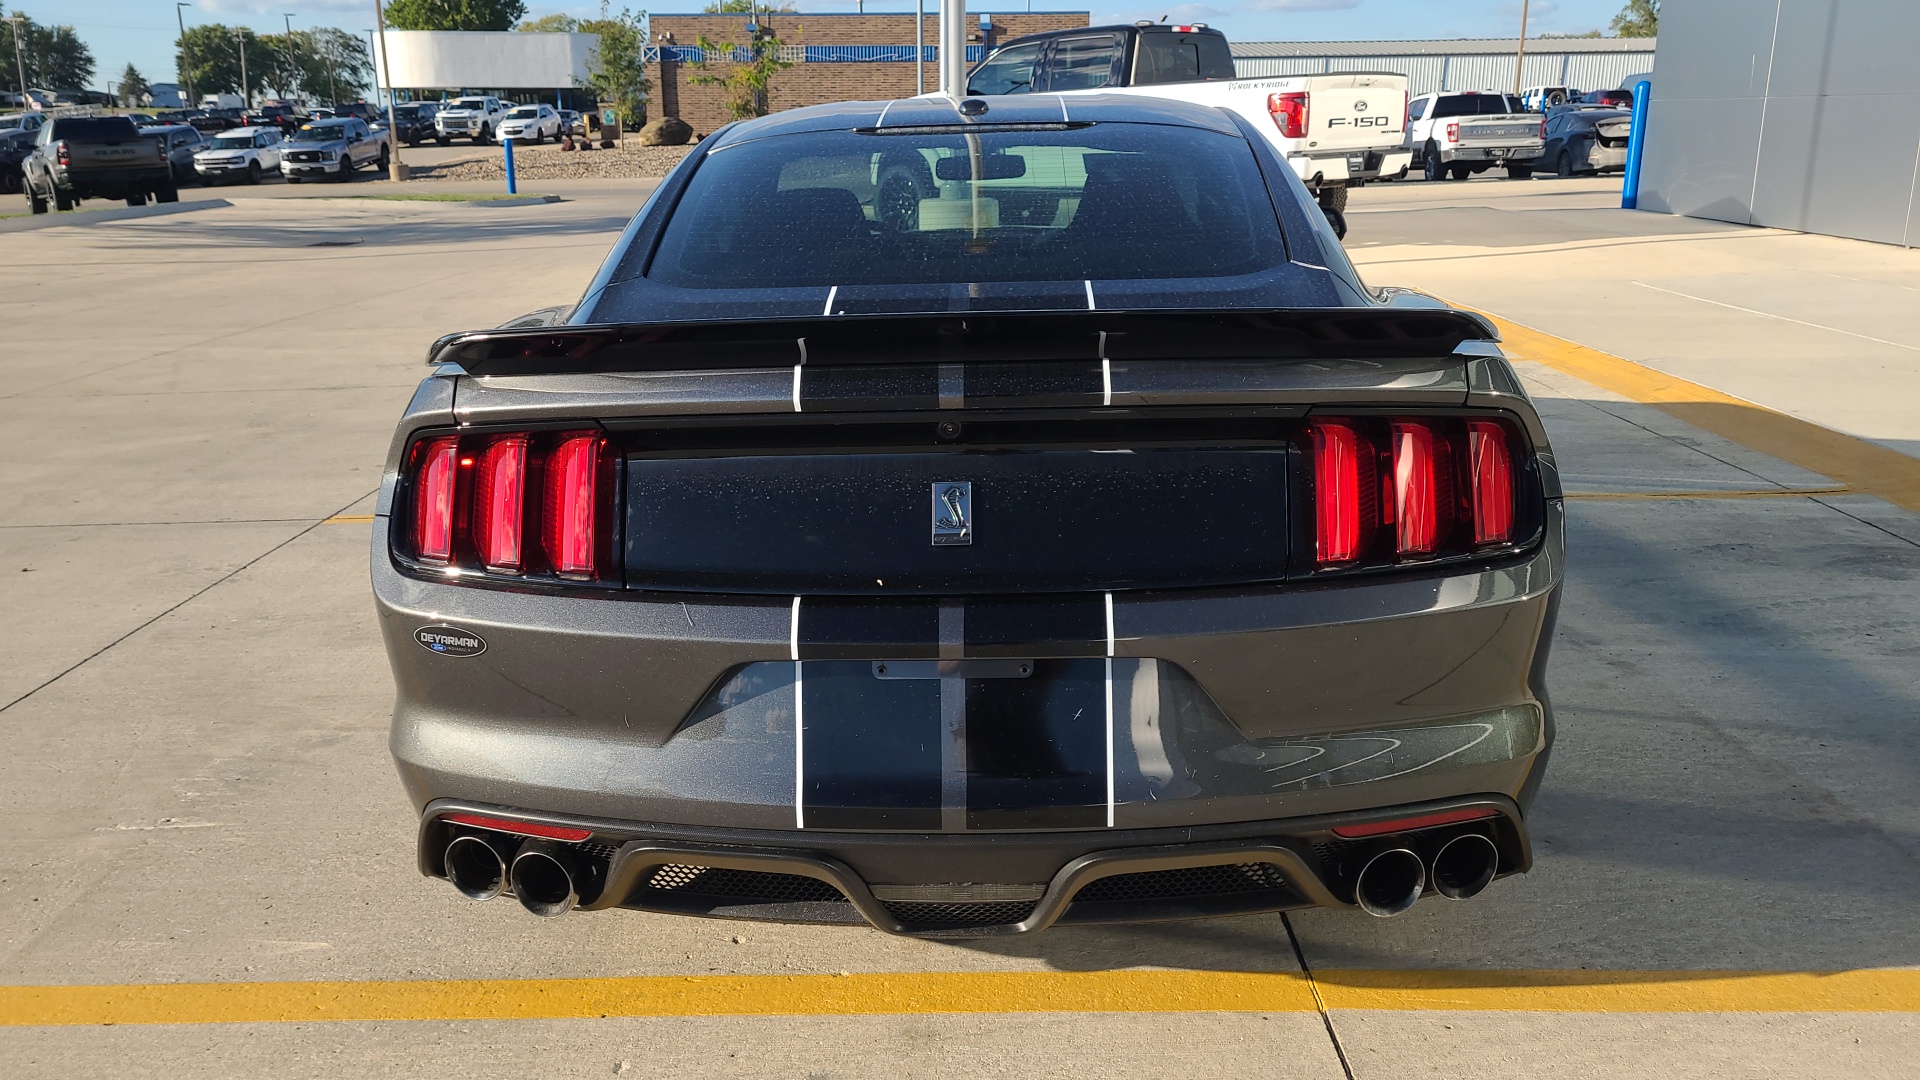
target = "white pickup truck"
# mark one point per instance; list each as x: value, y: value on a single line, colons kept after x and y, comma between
x: 474, y: 118
x: 1457, y: 134
x: 1337, y: 131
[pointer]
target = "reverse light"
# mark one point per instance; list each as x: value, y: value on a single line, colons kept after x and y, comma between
x: 433, y: 495
x: 1289, y: 113
x: 567, y: 526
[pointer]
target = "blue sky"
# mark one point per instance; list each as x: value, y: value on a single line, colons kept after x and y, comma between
x: 142, y: 31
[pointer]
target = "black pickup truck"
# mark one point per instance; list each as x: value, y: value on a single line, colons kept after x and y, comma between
x: 96, y: 157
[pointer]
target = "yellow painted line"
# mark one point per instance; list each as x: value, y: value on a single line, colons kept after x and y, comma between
x: 1860, y: 465
x: 348, y: 519
x: 1893, y: 990
x: 1756, y: 493
x: 695, y: 995
x: 1888, y: 990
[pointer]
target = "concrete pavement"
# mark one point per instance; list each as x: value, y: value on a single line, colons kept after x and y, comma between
x: 194, y: 701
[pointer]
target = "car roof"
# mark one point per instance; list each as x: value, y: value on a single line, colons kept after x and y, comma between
x: 937, y: 110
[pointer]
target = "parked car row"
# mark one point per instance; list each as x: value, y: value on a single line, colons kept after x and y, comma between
x: 1456, y: 135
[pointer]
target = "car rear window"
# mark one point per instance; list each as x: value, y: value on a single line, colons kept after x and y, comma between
x: 1173, y: 58
x: 97, y: 129
x: 1475, y: 105
x: 1104, y: 201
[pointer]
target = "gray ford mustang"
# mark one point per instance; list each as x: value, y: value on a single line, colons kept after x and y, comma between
x: 967, y: 518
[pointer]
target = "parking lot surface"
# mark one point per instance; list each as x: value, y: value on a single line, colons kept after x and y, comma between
x: 210, y: 870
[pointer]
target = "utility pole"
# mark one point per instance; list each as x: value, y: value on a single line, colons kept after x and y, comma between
x: 396, y: 169
x: 920, y: 46
x: 246, y: 93
x: 290, y: 72
x: 186, y: 62
x: 20, y: 56
x: 1520, y: 54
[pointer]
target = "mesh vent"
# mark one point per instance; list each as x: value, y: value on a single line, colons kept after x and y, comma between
x: 1220, y: 880
x: 742, y: 884
x: 924, y: 915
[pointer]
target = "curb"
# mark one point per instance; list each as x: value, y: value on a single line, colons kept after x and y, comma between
x: 522, y: 200
x: 89, y: 217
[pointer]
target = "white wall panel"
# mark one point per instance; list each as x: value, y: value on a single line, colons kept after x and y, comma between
x: 444, y: 60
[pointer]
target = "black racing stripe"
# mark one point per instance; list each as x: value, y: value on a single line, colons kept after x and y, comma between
x: 879, y: 388
x: 835, y: 628
x: 872, y: 749
x: 1036, y: 748
x: 1042, y: 626
x: 1055, y: 385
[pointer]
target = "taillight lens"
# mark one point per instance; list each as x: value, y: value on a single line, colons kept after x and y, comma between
x: 525, y: 504
x: 1289, y: 113
x: 1422, y: 489
x: 569, y: 518
x: 1453, y: 132
x: 1490, y: 479
x: 434, y: 487
x: 1386, y: 490
x: 1344, y: 493
x: 1543, y: 127
x: 60, y: 149
x: 500, y: 505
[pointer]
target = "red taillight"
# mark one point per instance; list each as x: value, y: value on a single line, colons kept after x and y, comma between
x: 499, y: 504
x: 1453, y: 132
x: 1422, y: 489
x: 1543, y: 126
x: 1289, y: 113
x: 60, y: 149
x: 1343, y: 493
x: 1425, y: 821
x: 435, y: 481
x: 569, y: 514
x: 1490, y: 480
x: 520, y: 828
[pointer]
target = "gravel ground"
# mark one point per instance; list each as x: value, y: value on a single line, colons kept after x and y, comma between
x: 552, y: 163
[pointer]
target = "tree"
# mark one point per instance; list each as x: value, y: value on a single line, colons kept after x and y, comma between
x: 56, y: 58
x: 615, y: 71
x: 454, y: 14
x: 133, y: 87
x: 325, y: 62
x: 331, y: 63
x: 747, y: 84
x: 550, y: 24
x: 1640, y: 18
x: 215, y: 53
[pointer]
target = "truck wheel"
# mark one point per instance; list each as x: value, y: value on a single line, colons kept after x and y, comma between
x: 346, y: 169
x: 1333, y: 198
x: 137, y: 200
x: 441, y: 140
x: 34, y: 202
x: 1431, y: 163
x: 1461, y: 172
x: 62, y: 200
x: 485, y: 136
x: 1520, y: 172
x: 386, y: 159
x: 170, y: 193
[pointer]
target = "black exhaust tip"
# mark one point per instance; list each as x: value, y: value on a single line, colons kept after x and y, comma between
x: 475, y: 868
x: 1464, y: 866
x: 1389, y: 883
x: 543, y: 881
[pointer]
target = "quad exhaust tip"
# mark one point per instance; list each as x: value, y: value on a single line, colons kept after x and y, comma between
x: 543, y: 882
x: 475, y: 868
x: 1464, y: 866
x: 1389, y: 883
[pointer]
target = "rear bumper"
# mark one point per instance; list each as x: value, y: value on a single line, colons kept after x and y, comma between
x: 1518, y: 155
x: 941, y: 885
x: 114, y: 183
x: 309, y: 168
x: 1314, y: 169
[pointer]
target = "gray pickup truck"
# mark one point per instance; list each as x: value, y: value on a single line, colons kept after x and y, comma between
x: 332, y: 149
x: 95, y: 157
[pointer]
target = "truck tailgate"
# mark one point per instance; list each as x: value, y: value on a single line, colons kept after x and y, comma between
x: 1500, y: 130
x: 131, y: 153
x: 1355, y: 112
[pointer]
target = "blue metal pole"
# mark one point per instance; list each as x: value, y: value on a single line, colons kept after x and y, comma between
x: 1636, y: 142
x: 512, y: 188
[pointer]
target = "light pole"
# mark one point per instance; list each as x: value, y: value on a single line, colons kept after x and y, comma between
x: 20, y: 56
x: 186, y: 62
x: 396, y: 170
x: 1520, y: 54
x: 920, y: 46
x: 953, y: 48
x: 289, y: 20
x: 246, y: 92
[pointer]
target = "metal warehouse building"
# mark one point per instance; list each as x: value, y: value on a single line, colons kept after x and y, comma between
x: 1461, y: 64
x: 1794, y: 114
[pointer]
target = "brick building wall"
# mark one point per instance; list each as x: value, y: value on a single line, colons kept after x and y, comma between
x: 704, y: 107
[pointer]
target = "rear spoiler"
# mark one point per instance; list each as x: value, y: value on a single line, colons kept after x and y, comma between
x: 944, y: 338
